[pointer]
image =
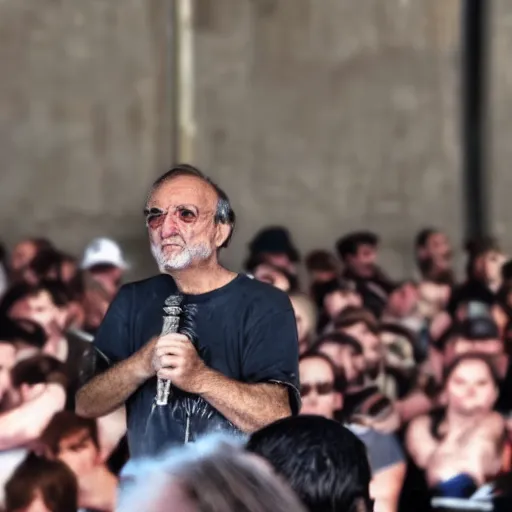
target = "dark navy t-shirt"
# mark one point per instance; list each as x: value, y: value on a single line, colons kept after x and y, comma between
x: 246, y: 330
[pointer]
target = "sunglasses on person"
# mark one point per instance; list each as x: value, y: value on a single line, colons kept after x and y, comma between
x: 321, y: 388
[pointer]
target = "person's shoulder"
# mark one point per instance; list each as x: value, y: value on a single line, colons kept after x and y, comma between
x: 264, y: 294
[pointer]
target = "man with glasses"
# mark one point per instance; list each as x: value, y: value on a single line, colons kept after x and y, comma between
x: 234, y: 369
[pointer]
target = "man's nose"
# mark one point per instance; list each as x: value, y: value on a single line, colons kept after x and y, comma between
x: 170, y: 226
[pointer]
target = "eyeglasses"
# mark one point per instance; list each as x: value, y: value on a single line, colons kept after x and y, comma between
x: 321, y: 388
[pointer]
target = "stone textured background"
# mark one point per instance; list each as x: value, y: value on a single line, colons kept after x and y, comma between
x: 325, y: 116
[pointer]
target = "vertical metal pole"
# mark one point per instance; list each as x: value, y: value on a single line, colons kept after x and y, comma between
x: 474, y: 110
x: 183, y: 79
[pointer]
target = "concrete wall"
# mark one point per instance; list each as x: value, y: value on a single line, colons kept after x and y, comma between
x: 325, y: 116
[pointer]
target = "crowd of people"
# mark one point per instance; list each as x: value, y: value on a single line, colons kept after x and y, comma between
x: 413, y: 374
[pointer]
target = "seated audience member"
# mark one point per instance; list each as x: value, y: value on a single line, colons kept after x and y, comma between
x: 336, y: 296
x: 433, y: 297
x: 51, y: 265
x: 434, y: 255
x: 274, y: 244
x: 358, y: 252
x: 483, y: 275
x: 460, y: 447
x: 325, y: 463
x: 104, y: 261
x: 37, y: 304
x: 362, y: 326
x: 74, y: 441
x: 34, y: 390
x: 207, y: 476
x: 306, y: 318
x: 262, y: 270
x: 7, y: 362
x: 41, y: 485
x: 23, y: 254
x: 323, y: 395
x: 322, y: 267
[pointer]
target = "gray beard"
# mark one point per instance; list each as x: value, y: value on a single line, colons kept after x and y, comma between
x: 184, y: 259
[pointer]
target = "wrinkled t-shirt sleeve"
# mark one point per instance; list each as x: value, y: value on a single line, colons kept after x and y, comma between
x: 271, y: 353
x: 384, y: 451
x: 112, y: 341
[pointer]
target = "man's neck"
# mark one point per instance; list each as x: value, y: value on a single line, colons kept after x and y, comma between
x: 203, y: 279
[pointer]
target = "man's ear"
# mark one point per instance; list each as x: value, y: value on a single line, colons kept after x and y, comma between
x: 223, y: 232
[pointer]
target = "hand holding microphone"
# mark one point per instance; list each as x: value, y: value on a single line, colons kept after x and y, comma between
x: 176, y: 360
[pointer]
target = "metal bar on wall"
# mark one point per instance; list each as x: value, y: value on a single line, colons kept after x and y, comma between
x: 184, y: 83
x: 474, y: 112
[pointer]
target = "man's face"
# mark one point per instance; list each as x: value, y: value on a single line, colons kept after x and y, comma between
x: 40, y: 309
x: 492, y: 261
x: 317, y: 388
x: 79, y: 452
x: 272, y: 275
x: 403, y: 301
x: 337, y: 301
x: 470, y: 388
x: 346, y: 360
x: 439, y: 250
x: 22, y: 254
x: 432, y: 298
x: 7, y: 361
x: 372, y: 345
x: 281, y: 260
x: 181, y: 223
x: 110, y: 278
x: 363, y: 263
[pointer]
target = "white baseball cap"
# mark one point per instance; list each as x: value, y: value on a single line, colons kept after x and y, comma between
x: 104, y: 251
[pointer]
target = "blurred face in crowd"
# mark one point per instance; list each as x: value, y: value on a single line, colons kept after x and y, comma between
x: 403, y: 301
x: 272, y: 275
x: 373, y: 349
x: 491, y: 265
x: 79, y: 452
x: 470, y: 388
x: 317, y: 388
x: 7, y: 361
x: 438, y: 249
x: 305, y: 318
x: 337, y: 301
x: 281, y: 260
x: 432, y: 298
x: 41, y: 309
x: 109, y: 276
x: 363, y: 262
x: 181, y: 223
x: 348, y: 361
x: 22, y: 254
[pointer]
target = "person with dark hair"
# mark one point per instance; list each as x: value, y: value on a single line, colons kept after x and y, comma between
x: 24, y: 253
x: 322, y: 266
x: 36, y: 391
x: 358, y: 252
x: 275, y: 245
x: 232, y: 366
x: 434, y: 255
x: 45, y: 304
x: 212, y: 475
x: 323, y: 393
x: 460, y: 447
x: 261, y: 269
x: 74, y: 441
x: 42, y: 485
x: 324, y: 462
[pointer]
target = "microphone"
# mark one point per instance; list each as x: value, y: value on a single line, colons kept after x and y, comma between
x: 172, y: 310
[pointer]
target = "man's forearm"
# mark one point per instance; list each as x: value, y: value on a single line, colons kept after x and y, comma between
x: 109, y: 390
x: 248, y: 406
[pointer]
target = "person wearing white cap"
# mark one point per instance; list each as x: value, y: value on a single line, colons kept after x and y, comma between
x: 104, y: 260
